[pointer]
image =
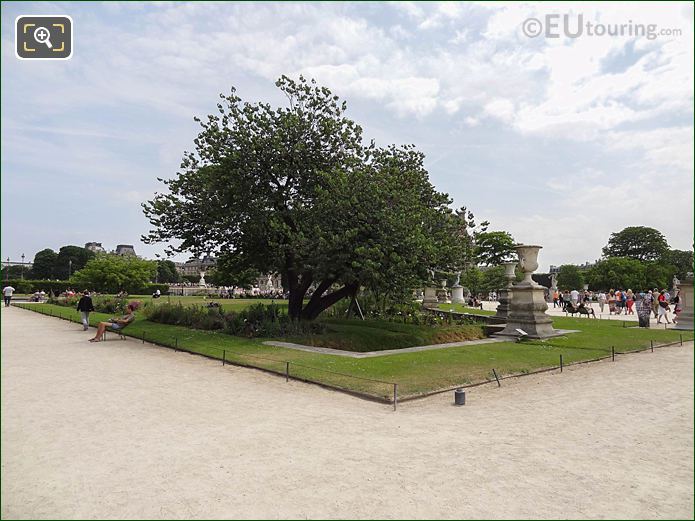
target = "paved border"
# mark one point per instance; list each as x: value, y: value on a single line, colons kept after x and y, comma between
x: 386, y: 352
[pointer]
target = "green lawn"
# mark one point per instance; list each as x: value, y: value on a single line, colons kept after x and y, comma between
x: 415, y: 373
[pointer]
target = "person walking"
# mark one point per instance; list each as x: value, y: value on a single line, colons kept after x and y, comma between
x: 7, y: 292
x: 601, y: 300
x: 630, y: 300
x: 85, y: 306
x: 663, y: 307
x: 655, y: 302
x: 574, y: 297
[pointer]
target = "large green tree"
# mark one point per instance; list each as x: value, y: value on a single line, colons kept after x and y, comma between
x: 293, y: 190
x: 680, y: 260
x: 494, y: 248
x: 111, y: 273
x: 570, y: 277
x: 71, y: 259
x: 617, y: 272
x: 636, y: 242
x: 45, y: 262
x: 167, y: 272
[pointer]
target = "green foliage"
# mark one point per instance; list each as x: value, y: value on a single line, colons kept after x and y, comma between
x: 77, y: 255
x: 617, y: 272
x: 102, y: 303
x: 680, y: 260
x: 258, y: 320
x: 294, y: 191
x: 494, y: 248
x: 230, y: 271
x: 45, y: 262
x: 570, y: 277
x: 166, y: 272
x: 636, y: 242
x: 493, y: 279
x: 111, y: 273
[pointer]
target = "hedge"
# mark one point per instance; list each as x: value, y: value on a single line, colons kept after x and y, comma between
x: 59, y: 286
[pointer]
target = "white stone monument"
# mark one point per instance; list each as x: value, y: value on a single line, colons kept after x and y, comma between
x: 504, y: 295
x: 457, y: 290
x: 201, y: 282
x: 528, y: 306
x: 430, y: 297
x: 685, y: 317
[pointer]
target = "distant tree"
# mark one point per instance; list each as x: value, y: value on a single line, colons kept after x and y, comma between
x: 167, y: 272
x: 658, y: 275
x: 232, y: 273
x: 45, y: 264
x: 16, y: 272
x: 493, y: 248
x: 636, y: 242
x: 617, y: 272
x: 493, y: 279
x: 570, y: 277
x: 681, y: 260
x: 79, y: 257
x: 110, y: 273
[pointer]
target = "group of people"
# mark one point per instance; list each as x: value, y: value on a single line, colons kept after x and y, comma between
x: 626, y: 302
x: 85, y: 306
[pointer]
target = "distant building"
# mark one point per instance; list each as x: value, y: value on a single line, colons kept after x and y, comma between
x: 96, y: 247
x: 125, y: 249
x: 195, y: 265
x: 554, y: 269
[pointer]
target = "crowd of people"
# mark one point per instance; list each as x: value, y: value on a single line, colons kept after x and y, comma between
x: 626, y: 302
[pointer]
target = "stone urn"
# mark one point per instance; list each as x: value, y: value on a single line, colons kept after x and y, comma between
x: 528, y: 262
x: 430, y: 297
x: 527, y: 306
x: 510, y: 272
x: 504, y: 295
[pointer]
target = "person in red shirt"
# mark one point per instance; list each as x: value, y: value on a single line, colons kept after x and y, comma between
x: 663, y: 307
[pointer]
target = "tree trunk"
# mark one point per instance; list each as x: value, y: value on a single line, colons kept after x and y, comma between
x: 298, y: 289
x: 314, y: 308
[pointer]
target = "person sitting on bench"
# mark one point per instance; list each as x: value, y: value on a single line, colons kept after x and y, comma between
x: 117, y: 324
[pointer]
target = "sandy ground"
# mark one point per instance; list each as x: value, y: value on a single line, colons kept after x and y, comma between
x: 125, y: 430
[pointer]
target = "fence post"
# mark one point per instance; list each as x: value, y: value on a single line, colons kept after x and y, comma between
x: 176, y: 343
x: 613, y: 353
x: 143, y: 337
x: 395, y: 396
x: 496, y: 377
x: 287, y: 371
x: 560, y: 363
x: 224, y: 356
x: 651, y: 343
x: 681, y: 336
x: 623, y: 323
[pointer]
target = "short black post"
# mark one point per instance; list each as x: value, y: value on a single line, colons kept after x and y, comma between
x: 176, y: 343
x: 224, y: 356
x: 681, y: 339
x: 613, y: 353
x: 287, y: 371
x: 395, y: 396
x: 560, y: 363
x: 651, y: 342
x: 143, y: 337
x: 496, y: 377
x: 665, y: 324
x: 623, y: 323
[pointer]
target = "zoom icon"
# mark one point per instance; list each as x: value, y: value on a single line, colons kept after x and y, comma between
x: 43, y: 37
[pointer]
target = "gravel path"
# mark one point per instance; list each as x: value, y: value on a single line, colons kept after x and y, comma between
x: 126, y: 430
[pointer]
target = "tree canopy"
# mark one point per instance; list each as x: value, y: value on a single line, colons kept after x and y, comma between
x: 293, y: 190
x: 44, y: 264
x: 636, y: 242
x: 570, y: 277
x: 112, y: 273
x: 494, y: 248
x: 166, y: 272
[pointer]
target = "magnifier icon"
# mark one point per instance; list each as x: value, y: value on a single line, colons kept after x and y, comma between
x: 43, y: 35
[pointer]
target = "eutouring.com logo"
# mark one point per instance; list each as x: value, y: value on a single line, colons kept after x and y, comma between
x: 559, y: 25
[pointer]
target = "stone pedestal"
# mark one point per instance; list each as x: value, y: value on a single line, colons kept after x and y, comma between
x: 528, y: 306
x: 430, y: 297
x: 504, y: 295
x: 685, y: 317
x: 457, y: 295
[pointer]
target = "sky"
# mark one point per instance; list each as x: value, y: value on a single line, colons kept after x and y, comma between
x: 559, y: 140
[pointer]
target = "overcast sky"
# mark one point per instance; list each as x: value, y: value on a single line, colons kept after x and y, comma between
x: 559, y: 141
